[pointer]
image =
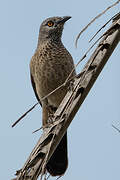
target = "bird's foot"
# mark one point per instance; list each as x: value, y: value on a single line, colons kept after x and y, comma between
x: 51, y: 111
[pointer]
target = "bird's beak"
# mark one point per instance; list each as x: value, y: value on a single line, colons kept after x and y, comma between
x: 64, y: 19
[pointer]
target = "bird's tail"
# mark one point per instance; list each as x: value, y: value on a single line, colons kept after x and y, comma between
x: 58, y: 162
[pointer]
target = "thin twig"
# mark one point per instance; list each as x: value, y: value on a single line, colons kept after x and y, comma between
x: 25, y: 114
x: 42, y: 127
x: 100, y: 29
x: 58, y: 177
x: 116, y: 128
x: 94, y: 20
x: 48, y: 177
x: 37, y: 130
x: 103, y: 26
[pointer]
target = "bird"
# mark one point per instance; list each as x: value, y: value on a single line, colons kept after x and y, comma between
x: 50, y: 66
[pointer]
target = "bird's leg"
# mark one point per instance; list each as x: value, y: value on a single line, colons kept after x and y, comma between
x: 71, y: 85
x: 47, y: 113
x: 51, y: 111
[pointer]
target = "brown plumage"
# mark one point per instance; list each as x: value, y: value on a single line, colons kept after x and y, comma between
x: 49, y: 68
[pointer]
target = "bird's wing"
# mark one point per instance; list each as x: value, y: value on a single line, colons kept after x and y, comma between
x: 34, y: 88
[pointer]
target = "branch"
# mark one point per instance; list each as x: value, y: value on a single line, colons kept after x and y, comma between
x: 36, y: 162
x: 94, y: 19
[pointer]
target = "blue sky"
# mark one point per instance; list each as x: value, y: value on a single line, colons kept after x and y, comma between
x: 94, y: 146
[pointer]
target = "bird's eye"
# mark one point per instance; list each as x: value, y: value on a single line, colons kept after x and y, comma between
x: 50, y: 23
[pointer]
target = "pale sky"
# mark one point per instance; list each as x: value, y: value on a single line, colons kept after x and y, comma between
x: 94, y: 146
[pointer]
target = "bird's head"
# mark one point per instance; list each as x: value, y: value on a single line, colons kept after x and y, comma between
x: 52, y: 28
